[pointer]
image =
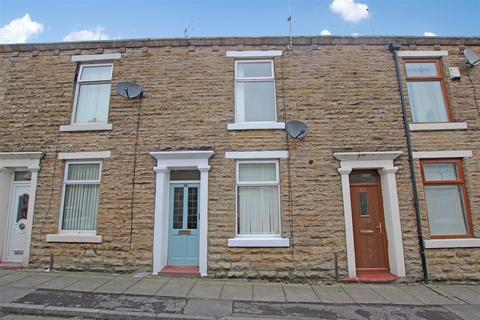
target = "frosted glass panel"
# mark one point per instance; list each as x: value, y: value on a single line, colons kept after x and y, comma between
x: 92, y: 104
x: 96, y: 73
x: 80, y: 207
x: 446, y: 210
x: 440, y: 171
x: 257, y: 172
x: 426, y: 100
x: 90, y: 171
x: 421, y: 69
x: 258, y: 211
x: 254, y: 69
x: 255, y: 101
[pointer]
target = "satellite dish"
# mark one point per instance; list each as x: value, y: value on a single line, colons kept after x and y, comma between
x: 129, y: 90
x: 296, y: 129
x: 472, y: 58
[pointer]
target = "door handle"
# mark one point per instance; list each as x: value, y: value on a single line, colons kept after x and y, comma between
x: 380, y: 228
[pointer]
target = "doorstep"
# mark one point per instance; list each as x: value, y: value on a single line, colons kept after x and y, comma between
x: 384, y: 277
x: 180, y: 271
x: 11, y: 265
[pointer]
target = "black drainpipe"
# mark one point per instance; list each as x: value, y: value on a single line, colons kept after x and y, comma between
x: 394, y: 47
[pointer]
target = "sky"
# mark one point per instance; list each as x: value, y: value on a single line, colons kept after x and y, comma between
x: 34, y: 21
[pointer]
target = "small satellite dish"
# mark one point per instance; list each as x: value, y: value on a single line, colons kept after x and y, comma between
x: 296, y: 129
x: 472, y: 58
x: 129, y: 90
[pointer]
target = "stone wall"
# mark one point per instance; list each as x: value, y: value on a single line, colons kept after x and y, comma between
x: 344, y: 89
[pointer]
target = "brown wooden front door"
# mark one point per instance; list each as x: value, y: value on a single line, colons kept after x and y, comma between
x: 368, y: 222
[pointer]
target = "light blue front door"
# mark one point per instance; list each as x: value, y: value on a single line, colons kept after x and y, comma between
x: 183, y: 224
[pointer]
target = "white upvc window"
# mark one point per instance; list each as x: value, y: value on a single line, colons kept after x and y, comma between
x: 258, y: 198
x: 80, y: 197
x: 92, y: 94
x: 255, y: 91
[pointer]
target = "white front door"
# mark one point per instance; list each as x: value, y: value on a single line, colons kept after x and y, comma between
x: 17, y: 222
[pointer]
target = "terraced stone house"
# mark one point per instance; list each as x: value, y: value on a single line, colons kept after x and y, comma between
x: 199, y: 175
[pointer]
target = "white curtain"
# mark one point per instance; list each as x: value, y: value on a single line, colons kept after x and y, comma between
x: 81, y: 200
x: 92, y: 103
x: 257, y: 172
x: 96, y: 73
x: 426, y: 100
x: 446, y: 211
x: 440, y: 171
x: 258, y: 210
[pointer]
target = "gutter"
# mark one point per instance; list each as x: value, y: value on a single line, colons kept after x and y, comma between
x: 394, y: 47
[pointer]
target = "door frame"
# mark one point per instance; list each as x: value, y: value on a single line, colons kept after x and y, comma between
x: 383, y: 162
x: 378, y: 185
x: 9, y: 163
x: 10, y: 218
x: 179, y: 160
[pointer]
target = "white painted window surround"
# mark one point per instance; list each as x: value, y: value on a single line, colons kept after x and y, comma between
x: 96, y: 57
x: 254, y: 54
x: 74, y: 238
x: 256, y: 125
x: 84, y: 155
x: 442, y: 154
x: 383, y: 162
x: 86, y: 127
x: 256, y: 154
x: 259, y: 242
x: 437, y: 126
x: 452, y: 243
x: 422, y: 54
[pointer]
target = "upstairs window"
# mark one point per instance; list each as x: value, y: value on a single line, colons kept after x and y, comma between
x: 92, y: 97
x: 446, y: 198
x: 255, y: 91
x: 426, y: 90
x: 258, y: 204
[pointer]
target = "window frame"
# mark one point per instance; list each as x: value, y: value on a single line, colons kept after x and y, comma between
x: 78, y: 83
x: 275, y: 183
x: 66, y: 182
x: 459, y: 182
x: 255, y: 79
x: 440, y: 77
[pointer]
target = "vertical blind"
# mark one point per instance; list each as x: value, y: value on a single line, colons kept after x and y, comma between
x: 258, y: 203
x: 81, y: 197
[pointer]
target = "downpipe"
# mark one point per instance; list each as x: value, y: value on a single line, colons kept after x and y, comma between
x: 394, y: 47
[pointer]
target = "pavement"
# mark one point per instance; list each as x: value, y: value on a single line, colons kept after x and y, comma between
x: 31, y: 295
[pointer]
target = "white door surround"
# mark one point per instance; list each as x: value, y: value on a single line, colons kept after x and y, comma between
x: 9, y: 163
x: 383, y: 162
x: 178, y: 160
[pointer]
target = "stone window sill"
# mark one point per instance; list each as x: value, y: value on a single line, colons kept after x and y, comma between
x: 264, y: 242
x: 256, y: 125
x: 452, y: 243
x: 87, y: 127
x: 74, y: 238
x: 439, y: 126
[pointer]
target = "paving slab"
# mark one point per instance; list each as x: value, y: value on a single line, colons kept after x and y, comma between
x: 206, y: 290
x: 364, y: 294
x: 147, y: 286
x: 89, y: 284
x: 425, y: 294
x: 117, y: 285
x: 466, y: 312
x: 177, y: 288
x: 4, y: 272
x: 237, y: 291
x: 395, y: 295
x: 209, y: 307
x: 60, y: 282
x: 34, y: 280
x: 9, y: 294
x: 272, y: 292
x: 11, y: 278
x: 299, y: 293
x: 332, y: 294
x: 459, y: 292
